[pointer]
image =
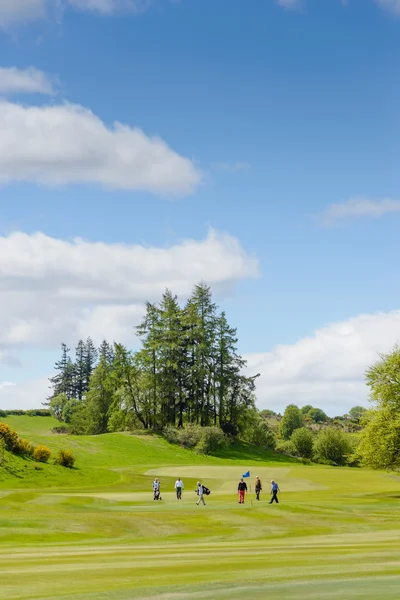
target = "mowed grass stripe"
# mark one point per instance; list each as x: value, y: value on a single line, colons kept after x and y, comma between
x: 95, y: 533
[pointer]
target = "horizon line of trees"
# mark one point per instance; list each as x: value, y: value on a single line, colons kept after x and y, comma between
x: 188, y: 370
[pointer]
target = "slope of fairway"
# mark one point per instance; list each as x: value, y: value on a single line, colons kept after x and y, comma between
x: 104, y: 460
x: 95, y: 532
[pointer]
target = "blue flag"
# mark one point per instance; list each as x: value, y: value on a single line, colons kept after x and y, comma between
x: 246, y: 474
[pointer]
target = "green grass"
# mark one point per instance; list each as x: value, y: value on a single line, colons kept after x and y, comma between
x: 94, y: 532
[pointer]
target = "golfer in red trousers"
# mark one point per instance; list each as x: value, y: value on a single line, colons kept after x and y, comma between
x: 242, y: 489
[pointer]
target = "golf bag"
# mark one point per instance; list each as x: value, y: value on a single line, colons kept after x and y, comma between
x: 206, y: 491
x: 157, y: 495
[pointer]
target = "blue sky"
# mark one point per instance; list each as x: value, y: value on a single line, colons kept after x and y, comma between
x: 279, y: 123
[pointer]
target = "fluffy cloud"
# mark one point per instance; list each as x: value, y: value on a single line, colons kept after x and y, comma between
x: 24, y: 395
x: 68, y: 144
x: 53, y: 290
x: 357, y: 208
x: 326, y: 369
x: 110, y: 7
x: 390, y: 5
x: 21, y: 11
x: 24, y: 81
x: 14, y: 12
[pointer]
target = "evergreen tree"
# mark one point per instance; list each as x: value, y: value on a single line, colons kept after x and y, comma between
x: 202, y: 313
x: 148, y: 359
x: 63, y: 381
x: 188, y: 370
x: 80, y: 371
x: 90, y: 360
x: 99, y: 398
x: 106, y: 352
x: 171, y: 359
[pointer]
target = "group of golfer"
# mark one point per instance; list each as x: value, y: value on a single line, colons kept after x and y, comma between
x: 201, y: 490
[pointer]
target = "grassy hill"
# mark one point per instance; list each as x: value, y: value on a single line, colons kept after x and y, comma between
x: 94, y: 532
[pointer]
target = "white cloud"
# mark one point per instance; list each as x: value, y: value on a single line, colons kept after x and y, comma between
x: 6, y: 384
x: 231, y: 167
x: 24, y: 81
x: 326, y: 369
x: 109, y: 7
x: 13, y: 12
x: 358, y: 208
x: 53, y: 290
x: 21, y: 11
x: 69, y: 144
x: 24, y: 396
x: 390, y: 5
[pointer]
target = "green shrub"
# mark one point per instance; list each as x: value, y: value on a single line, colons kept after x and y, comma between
x: 60, y: 429
x: 38, y: 412
x: 190, y: 435
x: 171, y: 434
x: 65, y: 458
x: 41, y: 453
x: 212, y: 439
x: 262, y: 435
x: 286, y: 447
x: 303, y: 442
x: 332, y: 445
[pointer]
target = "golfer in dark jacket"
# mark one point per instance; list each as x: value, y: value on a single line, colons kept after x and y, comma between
x: 257, y: 487
x: 242, y: 489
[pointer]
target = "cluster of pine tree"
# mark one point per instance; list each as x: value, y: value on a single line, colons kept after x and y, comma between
x: 188, y: 370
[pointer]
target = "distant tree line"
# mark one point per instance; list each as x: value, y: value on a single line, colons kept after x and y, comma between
x: 187, y: 371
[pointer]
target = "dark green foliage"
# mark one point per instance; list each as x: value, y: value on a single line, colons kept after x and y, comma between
x: 292, y: 419
x: 303, y: 442
x: 317, y: 415
x: 63, y: 382
x: 380, y: 439
x: 57, y: 404
x: 357, y: 413
x: 212, y: 439
x: 306, y: 409
x: 61, y: 429
x: 205, y: 440
x: 268, y: 413
x: 188, y: 371
x: 37, y: 412
x: 69, y: 408
x: 285, y: 447
x: 333, y: 445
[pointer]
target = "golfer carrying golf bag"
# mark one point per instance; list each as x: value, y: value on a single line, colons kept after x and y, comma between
x: 156, y: 489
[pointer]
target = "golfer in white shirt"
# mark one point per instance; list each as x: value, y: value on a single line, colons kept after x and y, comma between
x: 179, y: 487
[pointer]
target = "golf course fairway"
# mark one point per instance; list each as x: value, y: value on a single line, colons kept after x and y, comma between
x: 94, y: 532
